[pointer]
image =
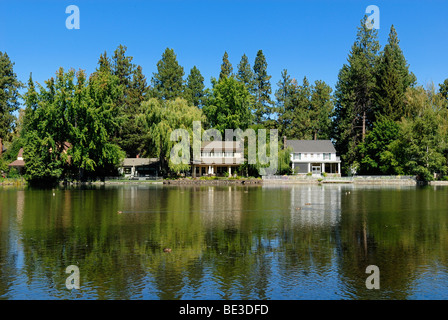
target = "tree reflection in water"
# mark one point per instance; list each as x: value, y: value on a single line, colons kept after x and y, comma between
x: 257, y: 242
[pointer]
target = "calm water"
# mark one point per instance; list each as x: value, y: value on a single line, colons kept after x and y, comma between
x: 270, y: 242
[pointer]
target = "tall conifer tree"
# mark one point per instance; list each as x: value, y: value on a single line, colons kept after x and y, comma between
x: 262, y: 89
x: 226, y: 67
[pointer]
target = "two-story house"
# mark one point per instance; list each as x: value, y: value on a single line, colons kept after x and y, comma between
x: 315, y: 156
x: 218, y: 158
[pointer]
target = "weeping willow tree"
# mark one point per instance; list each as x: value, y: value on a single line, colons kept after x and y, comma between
x: 160, y: 120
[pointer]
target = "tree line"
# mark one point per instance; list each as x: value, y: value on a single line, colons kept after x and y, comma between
x: 79, y: 126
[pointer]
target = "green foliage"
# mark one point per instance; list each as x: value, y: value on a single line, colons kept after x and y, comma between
x: 245, y: 74
x: 392, y: 79
x: 9, y: 95
x: 194, y: 91
x: 284, y: 161
x: 162, y: 118
x: 68, y: 125
x: 354, y: 106
x: 444, y: 90
x: 373, y: 151
x: 262, y: 89
x: 229, y: 106
x: 304, y: 112
x: 422, y: 140
x: 168, y: 82
x: 226, y: 67
x: 132, y: 84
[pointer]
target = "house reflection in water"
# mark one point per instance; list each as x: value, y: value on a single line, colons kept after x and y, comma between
x: 316, y: 206
x: 220, y: 206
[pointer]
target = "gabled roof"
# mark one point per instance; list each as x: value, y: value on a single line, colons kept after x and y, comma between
x: 311, y: 146
x: 19, y: 162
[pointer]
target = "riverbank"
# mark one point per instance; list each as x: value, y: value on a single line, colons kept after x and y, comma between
x: 12, y: 182
x: 248, y: 181
x: 359, y: 180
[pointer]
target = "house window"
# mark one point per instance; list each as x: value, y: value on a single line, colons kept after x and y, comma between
x: 297, y: 156
x: 127, y: 170
x: 327, y: 156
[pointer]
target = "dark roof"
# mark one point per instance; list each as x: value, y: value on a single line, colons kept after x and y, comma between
x: 311, y: 146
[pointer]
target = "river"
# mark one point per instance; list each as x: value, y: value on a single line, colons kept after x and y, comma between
x: 226, y: 242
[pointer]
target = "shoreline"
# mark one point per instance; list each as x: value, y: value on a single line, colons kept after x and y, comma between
x: 286, y: 180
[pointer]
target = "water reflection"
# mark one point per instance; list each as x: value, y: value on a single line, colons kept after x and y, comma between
x: 237, y: 242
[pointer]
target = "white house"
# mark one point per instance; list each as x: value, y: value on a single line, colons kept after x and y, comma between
x: 218, y: 158
x: 315, y: 156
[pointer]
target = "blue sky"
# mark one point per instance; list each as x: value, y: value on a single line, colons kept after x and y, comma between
x: 309, y: 38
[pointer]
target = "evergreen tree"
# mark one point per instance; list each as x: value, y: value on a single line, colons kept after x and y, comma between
x: 195, y: 88
x: 132, y: 136
x: 444, y: 89
x: 129, y: 136
x: 245, y: 74
x: 392, y: 79
x: 168, y: 82
x: 104, y: 63
x: 226, y: 67
x: 9, y: 95
x: 229, y: 106
x: 262, y: 89
x: 122, y: 67
x: 354, y: 111
x: 321, y: 107
x: 284, y: 95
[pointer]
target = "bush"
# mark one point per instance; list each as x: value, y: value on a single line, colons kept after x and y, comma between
x: 13, y: 173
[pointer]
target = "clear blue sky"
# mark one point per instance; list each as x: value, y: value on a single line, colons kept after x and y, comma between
x: 309, y: 38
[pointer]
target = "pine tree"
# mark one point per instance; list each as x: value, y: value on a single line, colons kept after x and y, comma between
x: 444, y: 89
x: 392, y: 79
x: 129, y: 135
x: 122, y: 66
x: 104, y: 63
x: 168, y: 82
x: 321, y: 107
x: 226, y: 67
x: 245, y: 74
x: 133, y: 137
x: 9, y: 95
x: 195, y: 88
x: 354, y: 108
x: 283, y: 97
x: 262, y: 89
